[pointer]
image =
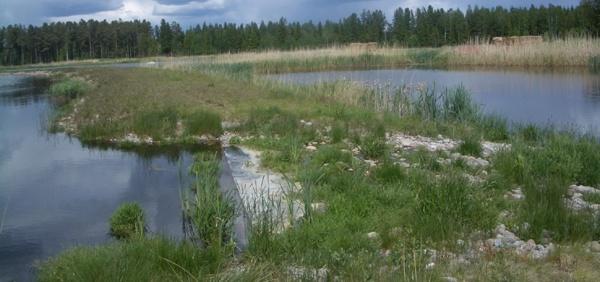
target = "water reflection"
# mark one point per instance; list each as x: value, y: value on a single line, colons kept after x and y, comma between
x: 56, y: 192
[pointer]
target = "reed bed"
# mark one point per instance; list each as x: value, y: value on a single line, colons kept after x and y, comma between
x: 569, y: 52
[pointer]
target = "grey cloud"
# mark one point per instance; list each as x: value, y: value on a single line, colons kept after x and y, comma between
x: 190, y: 12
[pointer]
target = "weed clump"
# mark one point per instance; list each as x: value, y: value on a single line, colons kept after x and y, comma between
x: 128, y: 221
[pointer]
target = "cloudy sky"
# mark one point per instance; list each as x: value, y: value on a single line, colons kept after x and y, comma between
x: 191, y: 12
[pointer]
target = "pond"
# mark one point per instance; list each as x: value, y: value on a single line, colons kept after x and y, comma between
x: 56, y: 193
x: 565, y: 99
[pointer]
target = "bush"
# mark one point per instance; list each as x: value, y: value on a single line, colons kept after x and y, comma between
x: 203, y: 122
x: 70, y: 88
x: 127, y: 221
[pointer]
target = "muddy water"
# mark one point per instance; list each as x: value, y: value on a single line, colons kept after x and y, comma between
x: 562, y: 98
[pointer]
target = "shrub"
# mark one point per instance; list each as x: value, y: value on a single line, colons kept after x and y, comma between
x: 203, y: 122
x: 127, y: 221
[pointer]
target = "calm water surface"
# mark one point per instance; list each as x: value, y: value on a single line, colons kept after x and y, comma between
x: 569, y: 98
x: 56, y: 193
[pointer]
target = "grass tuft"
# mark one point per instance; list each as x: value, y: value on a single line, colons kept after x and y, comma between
x: 128, y: 221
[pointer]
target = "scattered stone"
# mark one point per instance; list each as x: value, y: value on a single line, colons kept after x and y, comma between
x: 306, y: 123
x: 132, y: 138
x: 475, y: 163
x: 371, y: 163
x: 515, y: 194
x: 396, y: 231
x: 449, y: 279
x: 318, y: 207
x: 311, y: 148
x: 373, y: 235
x: 506, y: 240
x: 490, y: 148
x: 301, y: 273
x: 407, y: 142
x: 593, y: 246
x: 430, y: 266
x: 582, y: 190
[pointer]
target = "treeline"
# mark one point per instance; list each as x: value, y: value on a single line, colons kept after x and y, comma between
x: 91, y: 39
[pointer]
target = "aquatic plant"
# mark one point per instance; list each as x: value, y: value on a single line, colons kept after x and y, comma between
x: 128, y: 221
x: 209, y: 211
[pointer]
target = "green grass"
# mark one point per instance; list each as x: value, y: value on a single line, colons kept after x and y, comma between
x: 202, y: 122
x: 449, y: 209
x: 154, y: 259
x: 128, y: 221
x: 156, y: 123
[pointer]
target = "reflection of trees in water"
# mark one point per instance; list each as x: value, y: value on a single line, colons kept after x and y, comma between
x: 147, y: 153
x: 24, y: 91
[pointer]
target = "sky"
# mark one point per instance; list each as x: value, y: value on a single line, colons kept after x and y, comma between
x: 217, y: 11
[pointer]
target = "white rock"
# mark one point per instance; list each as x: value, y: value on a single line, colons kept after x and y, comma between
x: 311, y: 148
x: 373, y: 235
x: 583, y: 189
x: 318, y: 207
x: 594, y: 246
